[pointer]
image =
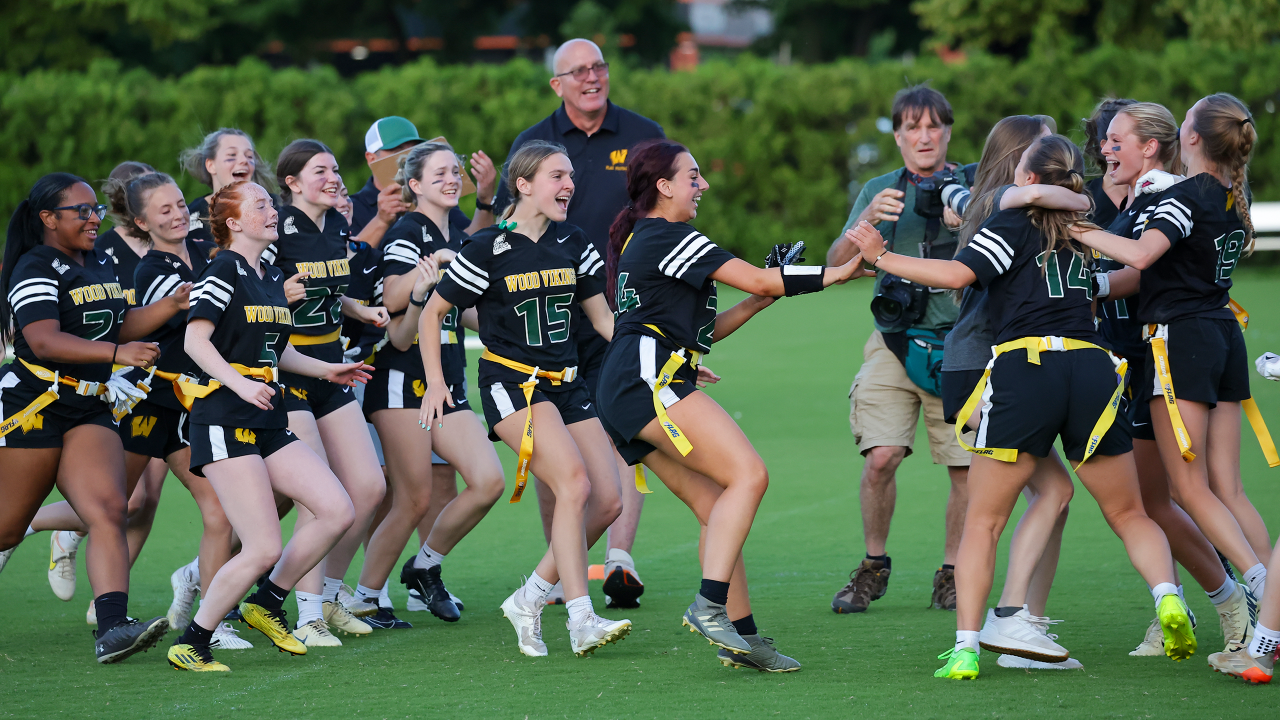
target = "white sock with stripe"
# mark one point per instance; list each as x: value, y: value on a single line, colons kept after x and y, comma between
x: 1256, y: 576
x: 1222, y: 594
x: 331, y: 588
x: 537, y: 589
x: 968, y: 640
x: 310, y: 607
x: 427, y: 558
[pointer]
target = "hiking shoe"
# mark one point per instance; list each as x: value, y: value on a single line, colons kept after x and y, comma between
x: 712, y: 622
x: 1239, y: 663
x: 944, y: 590
x: 961, y: 665
x: 129, y: 637
x: 763, y: 657
x: 431, y: 589
x: 868, y: 582
x: 1175, y: 623
x: 1022, y: 634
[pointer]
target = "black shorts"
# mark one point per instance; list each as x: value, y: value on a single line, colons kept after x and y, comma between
x: 589, y: 370
x: 46, y: 428
x: 1137, y: 412
x: 318, y: 397
x: 211, y: 443
x: 1207, y: 361
x: 957, y: 386
x: 500, y: 400
x: 394, y: 390
x: 1026, y: 407
x: 154, y: 430
x: 631, y: 366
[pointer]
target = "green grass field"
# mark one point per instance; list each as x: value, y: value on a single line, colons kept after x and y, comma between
x: 786, y: 377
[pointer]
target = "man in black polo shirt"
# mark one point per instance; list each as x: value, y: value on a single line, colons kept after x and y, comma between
x: 598, y: 135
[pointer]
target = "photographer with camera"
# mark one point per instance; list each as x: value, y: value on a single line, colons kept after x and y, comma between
x: 902, y: 360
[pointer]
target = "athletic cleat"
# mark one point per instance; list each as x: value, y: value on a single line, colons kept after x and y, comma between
x: 194, y: 658
x: 1022, y: 634
x: 5, y: 555
x: 63, y: 545
x: 1236, y: 616
x: 360, y: 607
x: 338, y: 617
x: 1018, y: 663
x: 961, y: 665
x: 1179, y: 637
x: 763, y: 657
x: 185, y: 591
x: 944, y: 590
x: 316, y: 634
x: 1239, y: 663
x: 91, y: 615
x: 274, y: 624
x: 226, y: 637
x: 557, y: 595
x: 385, y: 619
x: 457, y: 602
x: 128, y: 638
x: 415, y: 603
x: 431, y: 589
x: 622, y: 586
x: 526, y: 618
x: 712, y: 622
x: 594, y: 632
x: 868, y: 582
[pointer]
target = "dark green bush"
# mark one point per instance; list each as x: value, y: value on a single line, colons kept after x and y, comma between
x: 784, y: 148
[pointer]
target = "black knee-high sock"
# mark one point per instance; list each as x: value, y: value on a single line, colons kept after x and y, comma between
x: 269, y: 596
x: 715, y: 591
x: 196, y: 635
x: 112, y: 609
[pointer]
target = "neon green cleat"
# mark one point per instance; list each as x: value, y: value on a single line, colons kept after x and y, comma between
x: 961, y: 665
x: 1179, y: 637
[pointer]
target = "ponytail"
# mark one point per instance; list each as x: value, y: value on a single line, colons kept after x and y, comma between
x: 1226, y: 126
x: 648, y: 162
x: 26, y: 231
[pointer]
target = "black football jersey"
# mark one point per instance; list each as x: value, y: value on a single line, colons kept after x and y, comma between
x: 1030, y: 292
x: 123, y: 258
x: 366, y: 289
x: 664, y: 280
x: 1192, y: 279
x: 200, y: 227
x: 525, y: 293
x: 302, y: 247
x: 413, y: 237
x: 1118, y: 319
x: 158, y: 276
x: 253, y: 323
x: 1104, y: 210
x: 86, y: 300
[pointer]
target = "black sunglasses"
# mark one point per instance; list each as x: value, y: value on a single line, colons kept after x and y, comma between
x: 84, y: 210
x: 580, y: 74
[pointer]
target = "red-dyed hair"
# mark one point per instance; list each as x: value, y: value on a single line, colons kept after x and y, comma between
x: 647, y: 163
x: 224, y: 206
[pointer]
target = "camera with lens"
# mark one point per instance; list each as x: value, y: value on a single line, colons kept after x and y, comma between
x: 898, y: 303
x: 929, y: 201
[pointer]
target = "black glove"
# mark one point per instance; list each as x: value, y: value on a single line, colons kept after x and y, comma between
x: 776, y: 254
x: 794, y: 255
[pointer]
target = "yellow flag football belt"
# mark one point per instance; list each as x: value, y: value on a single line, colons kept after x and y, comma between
x: 88, y: 389
x: 665, y: 378
x: 1034, y: 346
x: 1158, y: 336
x: 296, y: 339
x: 526, y: 440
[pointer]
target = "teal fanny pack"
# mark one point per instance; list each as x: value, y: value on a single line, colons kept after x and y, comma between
x: 923, y: 359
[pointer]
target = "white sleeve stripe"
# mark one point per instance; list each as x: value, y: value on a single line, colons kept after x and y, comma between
x: 462, y: 273
x: 400, y: 255
x: 677, y: 267
x: 590, y: 269
x: 1174, y: 202
x: 39, y: 298
x: 215, y: 296
x: 37, y: 281
x: 163, y: 287
x: 464, y: 284
x: 679, y: 247
x: 270, y: 254
x: 987, y: 233
x: 706, y: 248
x: 404, y: 246
x: 1176, y: 213
x: 994, y: 263
x: 216, y: 282
x: 18, y: 294
x: 458, y: 260
x: 1002, y: 260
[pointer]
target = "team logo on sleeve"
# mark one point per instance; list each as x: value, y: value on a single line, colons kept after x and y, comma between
x: 289, y: 227
x: 240, y: 269
x: 500, y: 245
x: 426, y: 237
x: 195, y: 223
x: 60, y: 266
x: 112, y: 253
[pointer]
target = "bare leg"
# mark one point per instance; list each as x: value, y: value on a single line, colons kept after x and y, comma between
x: 546, y: 507
x: 444, y: 488
x: 216, y: 538
x: 1188, y: 544
x: 993, y: 492
x: 1112, y: 480
x: 143, y: 504
x: 407, y: 449
x: 1224, y: 476
x: 878, y: 493
x: 622, y: 533
x: 350, y: 453
x: 957, y: 501
x: 1048, y: 491
x: 464, y: 442
x: 28, y: 476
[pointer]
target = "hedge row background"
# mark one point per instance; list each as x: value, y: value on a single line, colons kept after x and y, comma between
x: 785, y: 148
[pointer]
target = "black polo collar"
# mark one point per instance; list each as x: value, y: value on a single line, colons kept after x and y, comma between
x: 562, y: 125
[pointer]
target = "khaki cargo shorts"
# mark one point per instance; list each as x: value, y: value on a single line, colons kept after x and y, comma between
x: 884, y: 408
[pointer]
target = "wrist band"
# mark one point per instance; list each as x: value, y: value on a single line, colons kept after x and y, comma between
x: 802, y: 279
x: 875, y: 262
x: 113, y: 353
x: 1104, y: 286
x: 415, y: 303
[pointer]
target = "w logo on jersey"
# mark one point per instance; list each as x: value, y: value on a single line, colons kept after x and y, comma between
x: 35, y: 422
x: 300, y: 394
x: 419, y: 388
x: 142, y: 426
x: 618, y: 160
x: 246, y: 436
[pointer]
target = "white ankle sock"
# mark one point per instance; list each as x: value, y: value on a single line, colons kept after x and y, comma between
x: 384, y: 598
x: 310, y: 607
x: 579, y: 608
x: 30, y: 531
x: 968, y: 640
x: 331, y: 587
x: 69, y: 539
x: 1162, y: 589
x: 1264, y: 642
x: 1222, y: 594
x: 427, y: 558
x: 1181, y: 597
x: 1256, y: 576
x: 366, y: 593
x: 537, y: 588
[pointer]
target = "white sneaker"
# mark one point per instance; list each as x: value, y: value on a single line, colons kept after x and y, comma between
x: 63, y: 545
x: 594, y: 632
x: 1013, y: 661
x: 91, y: 617
x: 226, y: 637
x: 1236, y: 616
x: 556, y: 597
x: 185, y: 591
x: 526, y: 618
x: 359, y: 607
x: 338, y: 617
x: 5, y: 555
x: 1153, y: 644
x: 316, y: 634
x: 1022, y: 634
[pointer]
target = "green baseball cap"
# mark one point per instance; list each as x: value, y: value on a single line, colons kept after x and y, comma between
x: 390, y: 132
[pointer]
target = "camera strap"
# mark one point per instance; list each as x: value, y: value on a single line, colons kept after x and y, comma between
x: 932, y: 226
